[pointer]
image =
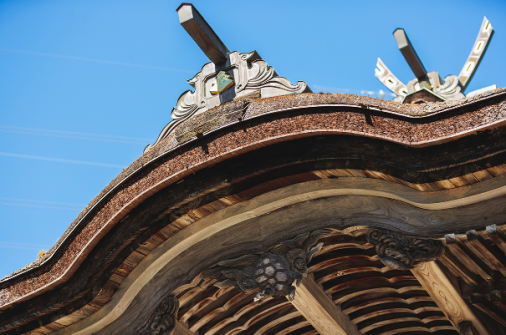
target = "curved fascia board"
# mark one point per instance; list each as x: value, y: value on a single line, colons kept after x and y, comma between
x: 165, y: 257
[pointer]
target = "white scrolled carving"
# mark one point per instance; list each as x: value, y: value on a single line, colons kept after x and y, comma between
x: 250, y: 74
x: 383, y: 73
x: 399, y: 98
x: 264, y: 77
x: 185, y: 108
x: 451, y: 89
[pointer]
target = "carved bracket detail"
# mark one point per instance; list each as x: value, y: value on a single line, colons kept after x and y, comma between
x: 274, y: 271
x: 163, y: 320
x: 401, y: 252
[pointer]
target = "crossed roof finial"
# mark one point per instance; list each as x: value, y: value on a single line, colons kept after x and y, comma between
x: 202, y: 33
x: 228, y: 76
x: 452, y: 88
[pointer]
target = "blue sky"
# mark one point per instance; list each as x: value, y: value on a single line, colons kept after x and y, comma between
x: 85, y: 85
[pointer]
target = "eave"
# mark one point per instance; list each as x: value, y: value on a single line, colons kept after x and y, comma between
x: 450, y: 150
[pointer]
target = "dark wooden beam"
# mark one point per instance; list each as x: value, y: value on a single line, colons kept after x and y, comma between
x: 489, y: 254
x: 202, y: 33
x: 468, y: 258
x: 409, y: 54
x: 489, y: 308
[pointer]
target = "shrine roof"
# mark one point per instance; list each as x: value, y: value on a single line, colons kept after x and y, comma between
x: 428, y: 148
x: 240, y: 110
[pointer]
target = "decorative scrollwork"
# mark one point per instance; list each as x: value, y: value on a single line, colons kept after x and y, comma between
x: 263, y: 77
x: 451, y: 89
x: 247, y: 71
x: 272, y: 272
x: 401, y: 252
x: 186, y: 108
x: 163, y: 320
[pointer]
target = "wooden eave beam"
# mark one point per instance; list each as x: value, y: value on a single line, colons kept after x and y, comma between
x: 448, y: 298
x: 319, y: 310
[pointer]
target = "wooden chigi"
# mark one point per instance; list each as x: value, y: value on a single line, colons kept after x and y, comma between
x: 263, y: 208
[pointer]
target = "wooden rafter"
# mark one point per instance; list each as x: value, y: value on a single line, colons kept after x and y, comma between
x: 440, y: 287
x: 181, y: 329
x: 312, y: 302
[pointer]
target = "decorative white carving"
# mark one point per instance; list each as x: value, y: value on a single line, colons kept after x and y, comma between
x: 250, y: 74
x: 451, y: 89
x: 477, y: 53
x: 389, y: 80
x: 454, y: 86
x: 264, y: 78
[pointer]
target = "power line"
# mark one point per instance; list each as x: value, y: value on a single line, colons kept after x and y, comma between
x: 22, y: 246
x: 60, y: 160
x: 74, y: 135
x: 42, y: 202
x: 96, y: 60
x: 40, y: 207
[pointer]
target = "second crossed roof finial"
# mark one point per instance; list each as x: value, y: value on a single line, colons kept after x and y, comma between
x: 429, y: 86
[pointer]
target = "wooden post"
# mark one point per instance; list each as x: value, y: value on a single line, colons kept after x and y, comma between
x: 319, y: 310
x: 439, y: 286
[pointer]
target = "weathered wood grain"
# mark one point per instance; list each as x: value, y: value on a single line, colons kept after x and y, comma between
x: 497, y: 236
x: 436, y: 282
x: 494, y: 259
x: 314, y: 304
x: 275, y: 313
x: 458, y: 268
x: 489, y: 308
x: 387, y: 300
x: 294, y: 327
x: 181, y: 329
x: 395, y: 321
x: 469, y: 259
x: 306, y: 202
x: 417, y: 329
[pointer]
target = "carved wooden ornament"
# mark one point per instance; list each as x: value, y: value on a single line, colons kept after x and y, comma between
x: 163, y: 320
x: 274, y: 271
x: 401, y: 252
